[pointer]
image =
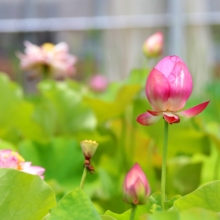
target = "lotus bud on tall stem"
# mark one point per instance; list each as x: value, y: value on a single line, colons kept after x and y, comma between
x: 136, y: 188
x: 168, y: 87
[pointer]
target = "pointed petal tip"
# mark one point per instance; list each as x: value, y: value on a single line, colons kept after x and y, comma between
x: 147, y: 119
x: 194, y: 110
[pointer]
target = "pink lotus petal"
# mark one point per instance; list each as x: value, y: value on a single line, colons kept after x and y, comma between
x: 154, y: 113
x: 166, y: 65
x: 61, y: 47
x: 194, y: 110
x: 171, y: 118
x: 157, y: 90
x: 132, y: 175
x: 35, y: 170
x: 147, y: 119
x: 181, y: 85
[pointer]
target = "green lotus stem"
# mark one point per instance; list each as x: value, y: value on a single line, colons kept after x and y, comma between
x: 133, y: 212
x: 163, y: 177
x: 121, y: 154
x: 83, y: 178
x: 216, y: 169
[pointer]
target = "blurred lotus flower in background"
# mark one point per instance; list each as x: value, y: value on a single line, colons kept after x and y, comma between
x: 48, y: 59
x: 98, y: 83
x: 136, y: 188
x: 168, y: 87
x: 153, y: 46
x: 11, y: 159
x: 88, y: 148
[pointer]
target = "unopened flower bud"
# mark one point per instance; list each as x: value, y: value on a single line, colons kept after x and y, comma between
x: 98, y: 83
x: 136, y: 188
x: 153, y: 46
x: 88, y: 148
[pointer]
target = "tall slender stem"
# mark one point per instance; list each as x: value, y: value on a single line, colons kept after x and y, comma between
x: 163, y: 177
x: 216, y: 168
x: 133, y: 212
x: 122, y: 154
x: 83, y: 178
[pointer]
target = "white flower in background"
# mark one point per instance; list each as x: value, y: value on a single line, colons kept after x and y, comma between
x: 48, y: 59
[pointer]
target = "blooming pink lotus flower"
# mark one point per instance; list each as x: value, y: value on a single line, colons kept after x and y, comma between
x: 11, y: 159
x: 98, y: 83
x: 168, y: 87
x: 55, y: 58
x: 153, y: 46
x: 136, y: 188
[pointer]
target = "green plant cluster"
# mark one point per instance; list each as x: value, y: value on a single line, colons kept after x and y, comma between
x: 47, y: 127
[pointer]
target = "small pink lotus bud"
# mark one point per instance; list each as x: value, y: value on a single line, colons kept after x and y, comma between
x: 98, y: 83
x: 136, y: 188
x: 153, y: 46
x: 88, y: 148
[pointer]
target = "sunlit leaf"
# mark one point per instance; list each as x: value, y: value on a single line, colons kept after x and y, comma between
x: 105, y: 217
x: 207, y: 197
x: 163, y: 216
x: 24, y: 196
x: 198, y: 214
x: 122, y: 216
x: 75, y: 205
x: 140, y: 210
x: 191, y: 214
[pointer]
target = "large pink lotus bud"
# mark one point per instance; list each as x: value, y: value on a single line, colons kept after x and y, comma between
x: 153, y: 46
x: 136, y: 188
x: 168, y: 87
x: 11, y: 159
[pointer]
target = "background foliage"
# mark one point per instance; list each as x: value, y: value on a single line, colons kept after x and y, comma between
x: 46, y: 128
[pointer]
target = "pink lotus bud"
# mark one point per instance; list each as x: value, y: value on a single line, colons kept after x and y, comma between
x: 55, y: 58
x: 88, y: 148
x: 98, y: 83
x: 11, y: 159
x: 136, y: 188
x: 168, y: 87
x: 153, y: 46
